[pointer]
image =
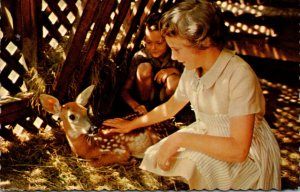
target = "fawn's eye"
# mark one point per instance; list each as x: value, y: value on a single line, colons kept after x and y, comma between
x: 72, y: 117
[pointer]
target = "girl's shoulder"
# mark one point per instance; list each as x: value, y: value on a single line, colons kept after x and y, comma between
x: 140, y: 53
x: 238, y: 65
x: 140, y: 57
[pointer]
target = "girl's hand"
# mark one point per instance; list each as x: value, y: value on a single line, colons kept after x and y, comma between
x: 167, y: 152
x: 140, y: 109
x: 161, y: 76
x: 118, y: 125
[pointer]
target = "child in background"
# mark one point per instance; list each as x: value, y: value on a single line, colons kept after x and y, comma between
x: 153, y: 75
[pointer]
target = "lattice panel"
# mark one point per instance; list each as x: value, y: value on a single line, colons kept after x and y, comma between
x: 16, y: 130
x: 58, y: 19
x: 12, y: 69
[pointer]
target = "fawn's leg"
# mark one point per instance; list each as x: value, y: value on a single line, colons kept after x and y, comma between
x: 111, y: 158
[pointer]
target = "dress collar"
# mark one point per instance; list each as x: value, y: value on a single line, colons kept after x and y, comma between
x: 211, y: 76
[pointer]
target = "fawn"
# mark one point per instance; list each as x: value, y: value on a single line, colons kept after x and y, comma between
x: 103, y: 147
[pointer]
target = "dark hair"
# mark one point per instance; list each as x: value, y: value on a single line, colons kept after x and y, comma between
x: 152, y: 21
x: 195, y: 20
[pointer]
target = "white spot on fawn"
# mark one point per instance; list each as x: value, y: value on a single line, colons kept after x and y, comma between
x: 120, y: 151
x: 115, y: 145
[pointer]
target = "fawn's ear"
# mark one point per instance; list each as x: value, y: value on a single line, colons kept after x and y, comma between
x: 84, y: 96
x: 50, y: 103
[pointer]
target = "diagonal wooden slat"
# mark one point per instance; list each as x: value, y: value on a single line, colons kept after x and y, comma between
x: 133, y: 27
x: 140, y: 35
x: 71, y: 6
x: 50, y: 27
x: 111, y: 37
x: 100, y: 21
x: 61, y: 17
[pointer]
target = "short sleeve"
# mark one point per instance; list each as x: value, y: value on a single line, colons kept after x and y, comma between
x: 245, y: 95
x: 180, y: 93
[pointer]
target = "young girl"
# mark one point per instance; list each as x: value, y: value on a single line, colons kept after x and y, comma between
x: 230, y: 145
x: 153, y: 75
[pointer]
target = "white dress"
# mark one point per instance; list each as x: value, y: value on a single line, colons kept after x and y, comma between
x: 230, y: 88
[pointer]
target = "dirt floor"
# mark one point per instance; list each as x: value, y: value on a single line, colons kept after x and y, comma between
x: 45, y: 162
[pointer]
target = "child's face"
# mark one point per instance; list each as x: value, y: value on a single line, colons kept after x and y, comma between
x: 155, y: 43
x: 184, y: 52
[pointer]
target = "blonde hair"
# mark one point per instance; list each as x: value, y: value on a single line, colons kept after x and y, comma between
x: 198, y: 21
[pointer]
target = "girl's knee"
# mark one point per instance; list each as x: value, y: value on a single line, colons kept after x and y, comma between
x: 172, y: 82
x: 144, y: 71
x: 169, y: 88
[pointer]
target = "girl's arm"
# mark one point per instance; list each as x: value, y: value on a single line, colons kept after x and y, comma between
x: 234, y: 148
x: 158, y: 114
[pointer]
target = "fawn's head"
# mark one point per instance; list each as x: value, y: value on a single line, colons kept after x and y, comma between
x: 73, y: 114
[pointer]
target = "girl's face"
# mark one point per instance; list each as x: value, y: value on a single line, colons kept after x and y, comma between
x: 184, y: 52
x: 155, y: 43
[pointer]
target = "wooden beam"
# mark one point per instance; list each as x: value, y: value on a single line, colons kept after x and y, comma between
x: 27, y: 16
x: 74, y: 55
x: 14, y: 109
x: 100, y: 21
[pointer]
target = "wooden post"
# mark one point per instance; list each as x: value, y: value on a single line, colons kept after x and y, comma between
x: 27, y: 28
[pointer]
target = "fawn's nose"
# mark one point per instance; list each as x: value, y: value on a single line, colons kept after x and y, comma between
x: 93, y: 129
